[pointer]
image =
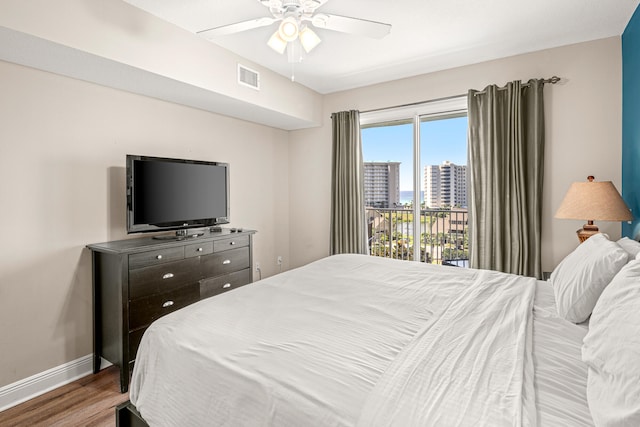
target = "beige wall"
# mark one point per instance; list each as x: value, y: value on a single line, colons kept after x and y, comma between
x: 62, y: 150
x: 583, y: 123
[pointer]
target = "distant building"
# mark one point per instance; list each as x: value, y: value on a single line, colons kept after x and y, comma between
x: 454, y: 224
x: 381, y: 184
x: 445, y: 185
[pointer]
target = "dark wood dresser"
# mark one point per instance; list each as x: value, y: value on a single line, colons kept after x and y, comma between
x: 137, y: 281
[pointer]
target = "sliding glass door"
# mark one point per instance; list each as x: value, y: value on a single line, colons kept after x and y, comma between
x: 415, y: 181
x: 444, y: 213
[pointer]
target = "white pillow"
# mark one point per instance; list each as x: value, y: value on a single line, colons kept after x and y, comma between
x: 582, y: 275
x: 631, y: 246
x: 614, y: 400
x: 611, y: 349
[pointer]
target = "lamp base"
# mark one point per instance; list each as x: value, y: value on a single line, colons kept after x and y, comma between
x: 587, y: 231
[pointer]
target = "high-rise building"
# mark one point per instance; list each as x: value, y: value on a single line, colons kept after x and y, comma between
x: 381, y: 184
x: 445, y: 185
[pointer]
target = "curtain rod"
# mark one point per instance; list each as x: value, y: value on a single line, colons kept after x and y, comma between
x: 553, y: 80
x: 411, y: 104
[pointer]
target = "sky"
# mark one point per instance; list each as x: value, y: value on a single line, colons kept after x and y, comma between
x: 441, y: 140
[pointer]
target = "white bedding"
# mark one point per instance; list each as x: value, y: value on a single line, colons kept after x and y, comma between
x: 560, y: 374
x: 469, y: 365
x: 323, y: 345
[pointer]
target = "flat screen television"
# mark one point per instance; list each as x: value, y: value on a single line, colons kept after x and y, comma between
x: 175, y: 194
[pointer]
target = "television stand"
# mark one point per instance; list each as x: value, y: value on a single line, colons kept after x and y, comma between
x: 184, y: 233
x: 137, y: 281
x: 180, y: 235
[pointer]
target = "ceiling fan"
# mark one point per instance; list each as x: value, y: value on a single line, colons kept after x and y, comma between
x: 294, y: 17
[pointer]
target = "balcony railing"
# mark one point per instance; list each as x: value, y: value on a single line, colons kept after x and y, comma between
x: 443, y: 235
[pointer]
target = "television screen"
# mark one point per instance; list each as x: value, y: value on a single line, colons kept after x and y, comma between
x: 168, y: 194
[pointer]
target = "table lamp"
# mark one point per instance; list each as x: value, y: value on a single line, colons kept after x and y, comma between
x: 593, y: 201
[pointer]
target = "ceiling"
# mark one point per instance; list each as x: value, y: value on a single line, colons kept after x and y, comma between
x: 426, y: 35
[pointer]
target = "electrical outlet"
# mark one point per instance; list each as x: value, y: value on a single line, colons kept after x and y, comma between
x: 279, y: 260
x: 257, y: 266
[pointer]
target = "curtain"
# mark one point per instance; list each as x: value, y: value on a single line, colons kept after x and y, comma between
x: 506, y: 151
x: 348, y: 221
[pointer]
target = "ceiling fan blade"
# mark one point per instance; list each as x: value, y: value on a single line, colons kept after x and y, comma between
x: 345, y: 24
x: 237, y: 27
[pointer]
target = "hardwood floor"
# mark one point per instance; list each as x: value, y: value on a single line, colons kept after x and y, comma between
x: 89, y: 401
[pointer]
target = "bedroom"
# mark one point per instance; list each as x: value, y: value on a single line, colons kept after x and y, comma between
x: 64, y: 140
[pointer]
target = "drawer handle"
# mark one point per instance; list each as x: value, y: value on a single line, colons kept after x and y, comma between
x: 168, y: 276
x: 159, y: 257
x: 226, y: 286
x: 167, y: 304
x: 232, y: 242
x: 226, y: 261
x: 199, y: 250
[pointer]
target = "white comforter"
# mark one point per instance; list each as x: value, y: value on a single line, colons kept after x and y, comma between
x: 343, y: 341
x: 471, y: 363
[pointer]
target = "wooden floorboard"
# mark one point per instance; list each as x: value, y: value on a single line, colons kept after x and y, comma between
x: 89, y: 401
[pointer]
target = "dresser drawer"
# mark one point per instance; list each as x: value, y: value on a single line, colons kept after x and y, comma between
x: 162, y: 278
x: 198, y: 249
x: 217, y: 285
x: 145, y: 310
x: 225, y: 262
x: 231, y: 243
x: 159, y: 256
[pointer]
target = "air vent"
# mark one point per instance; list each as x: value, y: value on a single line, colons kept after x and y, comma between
x: 248, y: 77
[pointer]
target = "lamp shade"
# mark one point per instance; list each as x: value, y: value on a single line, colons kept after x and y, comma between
x: 594, y: 201
x: 309, y: 39
x: 288, y: 29
x: 276, y: 43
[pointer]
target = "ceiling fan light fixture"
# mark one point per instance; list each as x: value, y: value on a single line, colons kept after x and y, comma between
x: 309, y: 39
x: 277, y: 43
x: 288, y: 29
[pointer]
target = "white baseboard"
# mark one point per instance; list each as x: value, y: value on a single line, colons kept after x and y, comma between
x: 35, y: 385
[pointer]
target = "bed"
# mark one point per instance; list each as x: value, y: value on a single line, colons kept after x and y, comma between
x: 353, y: 340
